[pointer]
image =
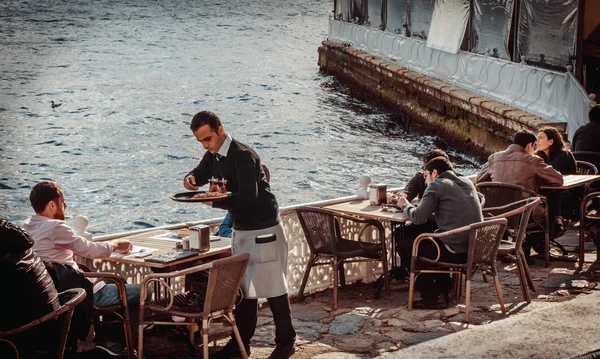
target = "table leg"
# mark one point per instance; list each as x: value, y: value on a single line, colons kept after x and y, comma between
x: 396, y: 226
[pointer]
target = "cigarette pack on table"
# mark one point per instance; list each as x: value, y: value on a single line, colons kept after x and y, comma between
x: 378, y: 194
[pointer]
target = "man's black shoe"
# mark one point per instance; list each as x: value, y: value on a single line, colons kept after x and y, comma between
x: 559, y: 231
x: 230, y: 351
x: 282, y: 352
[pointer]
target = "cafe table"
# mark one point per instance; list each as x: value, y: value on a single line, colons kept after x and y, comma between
x: 364, y: 209
x: 164, y: 246
x: 162, y: 242
x: 572, y: 181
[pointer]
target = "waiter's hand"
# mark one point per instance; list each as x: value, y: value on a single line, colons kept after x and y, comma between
x: 190, y: 183
x: 207, y: 203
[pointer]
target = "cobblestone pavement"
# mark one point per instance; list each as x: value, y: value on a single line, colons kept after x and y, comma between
x: 364, y: 326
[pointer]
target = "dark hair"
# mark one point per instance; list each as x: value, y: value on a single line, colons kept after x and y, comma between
x: 14, y: 238
x: 441, y: 164
x: 433, y: 154
x: 44, y: 193
x: 594, y: 114
x: 205, y: 118
x: 557, y: 140
x: 523, y: 138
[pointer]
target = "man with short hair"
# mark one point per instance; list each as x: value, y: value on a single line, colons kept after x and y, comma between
x: 455, y: 203
x: 417, y: 184
x: 587, y: 137
x: 55, y: 243
x: 519, y: 165
x: 415, y: 188
x: 257, y: 230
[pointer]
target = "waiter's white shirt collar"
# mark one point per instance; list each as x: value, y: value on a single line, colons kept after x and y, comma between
x: 225, y: 147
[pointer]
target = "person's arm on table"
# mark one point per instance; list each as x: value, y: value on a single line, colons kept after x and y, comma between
x: 65, y: 237
x: 425, y: 209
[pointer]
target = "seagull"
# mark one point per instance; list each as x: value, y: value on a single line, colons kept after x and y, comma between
x: 55, y: 105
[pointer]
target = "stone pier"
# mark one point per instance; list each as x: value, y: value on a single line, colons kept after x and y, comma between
x: 468, y: 121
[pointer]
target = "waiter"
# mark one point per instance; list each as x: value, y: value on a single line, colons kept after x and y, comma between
x: 257, y: 230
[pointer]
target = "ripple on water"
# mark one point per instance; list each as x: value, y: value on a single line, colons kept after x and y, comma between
x: 139, y: 99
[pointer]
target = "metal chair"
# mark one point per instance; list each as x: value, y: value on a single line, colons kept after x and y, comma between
x: 499, y: 194
x: 328, y: 247
x: 121, y: 310
x: 70, y: 299
x: 588, y: 156
x: 517, y: 214
x: 484, y: 240
x: 586, y: 168
x: 224, y: 280
x: 589, y: 226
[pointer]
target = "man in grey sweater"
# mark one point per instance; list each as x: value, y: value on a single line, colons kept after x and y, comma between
x: 455, y: 203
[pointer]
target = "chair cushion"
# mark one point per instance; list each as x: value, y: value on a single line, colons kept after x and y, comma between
x: 188, y: 304
x: 425, y: 262
x: 348, y: 249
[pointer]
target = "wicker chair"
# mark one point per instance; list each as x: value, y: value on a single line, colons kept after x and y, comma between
x: 224, y: 280
x: 517, y: 215
x: 328, y: 247
x: 120, y: 310
x: 586, y: 168
x: 70, y: 299
x: 499, y: 194
x: 484, y: 240
x: 589, y: 227
x: 588, y: 156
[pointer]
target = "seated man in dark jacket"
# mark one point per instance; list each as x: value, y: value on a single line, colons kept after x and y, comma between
x: 414, y: 189
x: 586, y: 137
x: 31, y: 293
x: 455, y: 203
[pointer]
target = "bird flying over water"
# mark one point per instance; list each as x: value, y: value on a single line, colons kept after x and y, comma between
x: 55, y: 105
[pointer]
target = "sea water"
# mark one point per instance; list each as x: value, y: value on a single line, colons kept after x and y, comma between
x: 130, y: 74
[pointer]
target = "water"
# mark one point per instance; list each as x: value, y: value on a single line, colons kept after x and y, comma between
x: 130, y: 75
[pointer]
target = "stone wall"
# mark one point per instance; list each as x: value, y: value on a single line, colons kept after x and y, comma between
x: 468, y: 121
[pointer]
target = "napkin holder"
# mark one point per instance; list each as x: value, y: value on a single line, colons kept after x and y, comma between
x: 200, y: 238
x: 378, y: 194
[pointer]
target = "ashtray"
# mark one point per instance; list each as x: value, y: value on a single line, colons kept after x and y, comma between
x: 391, y: 208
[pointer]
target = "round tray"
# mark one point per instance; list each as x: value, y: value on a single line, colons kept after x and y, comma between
x: 187, y: 197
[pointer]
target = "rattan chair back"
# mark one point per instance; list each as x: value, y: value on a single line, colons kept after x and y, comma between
x: 224, y: 283
x: 588, y: 156
x: 69, y: 300
x: 319, y: 227
x: 586, y: 168
x: 484, y: 240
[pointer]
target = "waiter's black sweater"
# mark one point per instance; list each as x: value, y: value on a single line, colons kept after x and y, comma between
x: 251, y: 205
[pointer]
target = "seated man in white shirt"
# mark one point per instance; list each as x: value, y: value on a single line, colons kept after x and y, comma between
x: 55, y: 241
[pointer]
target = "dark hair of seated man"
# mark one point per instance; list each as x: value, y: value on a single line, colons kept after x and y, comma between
x: 441, y: 164
x: 433, y: 154
x: 523, y: 138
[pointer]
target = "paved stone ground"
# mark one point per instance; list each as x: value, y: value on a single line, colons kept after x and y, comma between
x: 365, y: 327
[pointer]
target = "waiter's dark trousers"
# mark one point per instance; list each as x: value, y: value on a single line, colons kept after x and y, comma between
x: 246, y: 315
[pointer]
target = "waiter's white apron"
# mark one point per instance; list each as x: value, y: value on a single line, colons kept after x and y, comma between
x: 266, y: 273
